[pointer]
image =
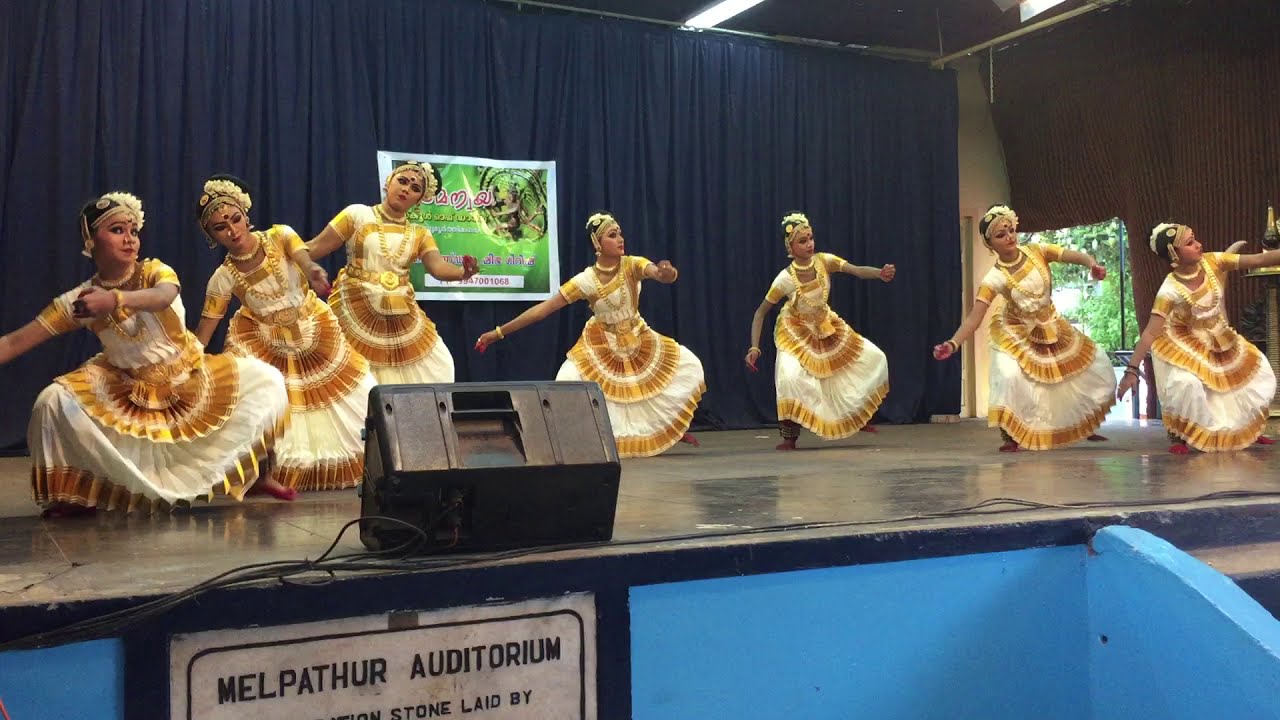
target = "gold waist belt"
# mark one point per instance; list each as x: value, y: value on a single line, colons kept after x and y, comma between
x: 816, y: 321
x: 387, y: 278
x: 153, y: 384
x: 286, y: 317
x: 625, y: 333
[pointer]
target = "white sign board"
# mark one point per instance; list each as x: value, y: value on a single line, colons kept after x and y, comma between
x: 530, y: 660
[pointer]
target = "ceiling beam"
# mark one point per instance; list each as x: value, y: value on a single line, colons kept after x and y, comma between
x: 1092, y: 5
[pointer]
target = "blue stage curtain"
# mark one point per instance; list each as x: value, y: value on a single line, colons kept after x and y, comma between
x: 699, y: 144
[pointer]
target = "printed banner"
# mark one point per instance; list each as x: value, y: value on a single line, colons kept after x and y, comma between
x: 502, y: 212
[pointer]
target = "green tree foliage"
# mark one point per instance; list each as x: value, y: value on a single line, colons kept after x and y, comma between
x: 1098, y: 313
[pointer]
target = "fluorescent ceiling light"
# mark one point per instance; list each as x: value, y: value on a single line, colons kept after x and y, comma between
x: 722, y: 11
x: 1030, y: 8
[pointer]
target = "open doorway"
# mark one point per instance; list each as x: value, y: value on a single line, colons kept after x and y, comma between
x: 1102, y: 310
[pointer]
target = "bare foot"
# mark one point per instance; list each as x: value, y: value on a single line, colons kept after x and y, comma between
x: 272, y: 487
x: 1264, y: 440
x: 870, y: 429
x: 1010, y: 446
x: 786, y: 444
x: 1179, y: 449
x: 1096, y: 438
x: 690, y: 439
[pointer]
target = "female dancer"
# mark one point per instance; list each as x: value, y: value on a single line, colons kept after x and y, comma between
x: 1215, y: 387
x: 152, y: 421
x: 282, y: 322
x: 652, y: 383
x: 1050, y: 384
x: 829, y: 378
x: 372, y: 298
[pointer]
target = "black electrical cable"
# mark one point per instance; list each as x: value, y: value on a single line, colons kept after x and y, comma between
x: 383, y: 561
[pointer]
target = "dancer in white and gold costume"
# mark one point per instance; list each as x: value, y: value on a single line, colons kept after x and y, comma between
x: 373, y: 298
x: 1215, y: 387
x: 651, y: 382
x: 281, y: 321
x: 1050, y: 384
x: 151, y: 421
x: 828, y: 378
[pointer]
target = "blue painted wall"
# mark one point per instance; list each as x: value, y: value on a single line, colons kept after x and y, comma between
x: 1000, y: 635
x: 1182, y: 640
x: 83, y: 680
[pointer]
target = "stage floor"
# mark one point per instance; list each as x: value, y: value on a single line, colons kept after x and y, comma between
x: 734, y: 483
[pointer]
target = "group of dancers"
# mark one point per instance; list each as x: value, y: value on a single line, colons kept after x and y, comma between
x: 1050, y: 385
x: 153, y: 421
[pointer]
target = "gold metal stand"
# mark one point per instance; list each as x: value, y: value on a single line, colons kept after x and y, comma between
x: 1271, y: 275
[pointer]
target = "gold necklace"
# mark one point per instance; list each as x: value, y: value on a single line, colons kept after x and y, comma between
x: 1015, y: 285
x: 601, y: 269
x: 608, y: 296
x: 272, y: 264
x: 116, y: 284
x: 129, y: 283
x: 802, y: 268
x: 819, y: 275
x: 622, y: 300
x: 1188, y: 294
x: 249, y: 255
x: 396, y: 261
x: 1011, y: 263
x: 1194, y: 274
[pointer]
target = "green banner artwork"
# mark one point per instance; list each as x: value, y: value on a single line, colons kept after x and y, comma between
x: 502, y: 212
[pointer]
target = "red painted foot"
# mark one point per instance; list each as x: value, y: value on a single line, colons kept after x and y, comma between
x: 1264, y: 440
x: 690, y: 439
x: 786, y: 444
x: 1179, y: 449
x: 1010, y: 446
x: 870, y: 429
x: 276, y: 490
x: 1096, y: 438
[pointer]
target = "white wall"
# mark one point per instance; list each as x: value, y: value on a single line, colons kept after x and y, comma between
x: 983, y: 183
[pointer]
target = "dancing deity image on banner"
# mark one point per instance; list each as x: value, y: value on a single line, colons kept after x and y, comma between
x: 502, y: 212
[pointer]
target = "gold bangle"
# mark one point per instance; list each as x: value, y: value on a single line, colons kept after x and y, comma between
x: 498, y: 329
x: 753, y: 347
x: 119, y: 295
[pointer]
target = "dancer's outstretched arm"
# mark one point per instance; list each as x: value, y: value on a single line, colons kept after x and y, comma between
x: 964, y: 332
x: 863, y: 272
x: 1251, y: 261
x: 662, y: 271
x: 1153, y: 330
x: 316, y: 277
x: 537, y: 313
x: 1075, y: 257
x: 442, y: 269
x: 325, y: 243
x: 22, y: 340
x: 757, y: 325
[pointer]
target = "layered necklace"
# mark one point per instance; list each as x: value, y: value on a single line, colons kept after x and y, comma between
x: 130, y: 282
x: 605, y: 292
x: 1188, y: 294
x: 397, y: 261
x: 1014, y: 284
x: 272, y: 264
x: 257, y: 244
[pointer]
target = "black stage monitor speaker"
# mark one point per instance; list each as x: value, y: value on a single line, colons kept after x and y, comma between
x: 487, y: 466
